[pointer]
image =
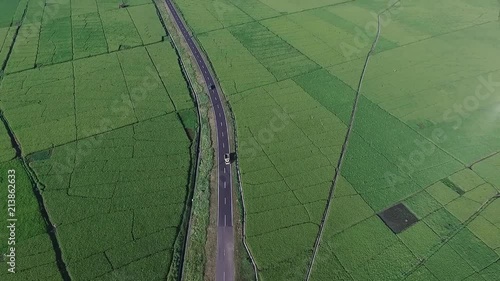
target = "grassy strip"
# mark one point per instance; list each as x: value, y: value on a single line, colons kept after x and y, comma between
x: 178, y: 249
x: 195, y: 258
x: 245, y: 261
x: 194, y: 255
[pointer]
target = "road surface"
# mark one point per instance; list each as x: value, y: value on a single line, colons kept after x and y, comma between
x: 225, y: 231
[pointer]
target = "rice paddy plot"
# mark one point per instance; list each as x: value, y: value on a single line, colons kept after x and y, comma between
x: 17, y: 16
x: 8, y: 34
x: 391, y: 178
x: 390, y: 264
x: 55, y: 43
x: 329, y: 91
x: 55, y: 9
x: 128, y: 187
x: 34, y: 12
x: 485, y: 229
x: 83, y: 7
x: 167, y: 66
x: 141, y: 268
x: 446, y: 264
x: 348, y: 210
x: 211, y: 15
x: 363, y: 248
x: 25, y: 49
x: 147, y: 93
x: 237, y: 69
x: 360, y: 20
x: 147, y: 23
x: 303, y: 40
x: 448, y: 204
x: 429, y: 92
x: 341, y: 37
x: 35, y: 257
x: 290, y: 250
x: 361, y: 24
x: 381, y: 198
x: 420, y: 239
x: 433, y: 19
x: 328, y: 267
x: 7, y: 152
x: 256, y: 9
x: 119, y: 30
x: 284, y: 6
x: 4, y: 31
x: 137, y: 2
x: 422, y: 204
x: 88, y: 35
x: 488, y: 169
x: 284, y: 162
x: 397, y: 152
x: 475, y: 252
x: 111, y: 160
x: 491, y: 272
x: 28, y: 104
x: 106, y: 5
x: 100, y: 86
x: 280, y: 58
x: 448, y: 228
x: 8, y: 9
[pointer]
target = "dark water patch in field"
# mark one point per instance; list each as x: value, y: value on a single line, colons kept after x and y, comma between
x: 453, y: 186
x: 124, y: 47
x: 39, y: 155
x: 398, y: 218
x: 190, y: 133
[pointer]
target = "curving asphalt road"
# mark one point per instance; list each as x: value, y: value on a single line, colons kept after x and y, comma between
x: 225, y: 231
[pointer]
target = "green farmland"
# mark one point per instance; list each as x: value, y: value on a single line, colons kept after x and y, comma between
x: 425, y: 134
x: 98, y: 122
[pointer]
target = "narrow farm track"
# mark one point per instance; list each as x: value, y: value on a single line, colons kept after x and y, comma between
x: 225, y: 231
x: 343, y: 151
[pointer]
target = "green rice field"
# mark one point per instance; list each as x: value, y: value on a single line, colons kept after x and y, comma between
x: 425, y: 134
x: 93, y: 98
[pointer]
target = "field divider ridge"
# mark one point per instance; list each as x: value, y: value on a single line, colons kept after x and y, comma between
x: 194, y: 94
x: 338, y: 169
x: 198, y: 152
x: 195, y: 175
